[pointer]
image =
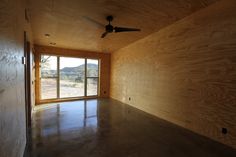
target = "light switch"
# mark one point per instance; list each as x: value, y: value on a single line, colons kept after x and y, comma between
x: 23, y: 60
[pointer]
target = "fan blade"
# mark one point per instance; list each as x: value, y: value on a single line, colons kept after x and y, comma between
x: 123, y: 29
x: 104, y: 34
x: 93, y: 21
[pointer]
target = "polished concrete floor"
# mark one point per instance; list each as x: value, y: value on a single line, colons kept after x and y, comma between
x: 108, y: 128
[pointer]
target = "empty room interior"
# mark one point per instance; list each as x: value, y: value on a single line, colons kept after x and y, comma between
x: 118, y: 78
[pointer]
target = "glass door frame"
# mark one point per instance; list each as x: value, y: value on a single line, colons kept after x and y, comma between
x: 72, y: 97
x: 88, y: 77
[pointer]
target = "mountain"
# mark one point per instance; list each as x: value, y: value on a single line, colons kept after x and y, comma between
x: 72, y: 73
x: 80, y: 68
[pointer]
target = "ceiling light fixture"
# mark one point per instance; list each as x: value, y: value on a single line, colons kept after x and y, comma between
x: 47, y: 35
x: 53, y: 44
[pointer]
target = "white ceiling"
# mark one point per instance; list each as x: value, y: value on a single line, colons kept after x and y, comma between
x: 73, y: 23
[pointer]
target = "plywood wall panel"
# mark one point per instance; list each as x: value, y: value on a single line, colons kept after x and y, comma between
x: 12, y: 97
x: 185, y: 73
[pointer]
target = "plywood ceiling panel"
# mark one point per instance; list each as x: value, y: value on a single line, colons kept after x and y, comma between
x: 74, y: 23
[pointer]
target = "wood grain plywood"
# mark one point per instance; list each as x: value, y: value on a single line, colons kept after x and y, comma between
x: 12, y: 89
x: 185, y: 73
x: 73, y: 24
x: 104, y: 65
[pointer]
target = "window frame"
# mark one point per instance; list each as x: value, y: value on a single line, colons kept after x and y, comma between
x: 87, y: 77
x: 58, y: 78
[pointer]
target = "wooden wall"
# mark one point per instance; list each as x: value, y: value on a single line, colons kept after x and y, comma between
x: 12, y: 89
x: 104, y: 65
x: 185, y: 73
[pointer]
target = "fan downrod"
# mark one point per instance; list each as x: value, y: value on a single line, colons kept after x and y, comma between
x: 109, y: 18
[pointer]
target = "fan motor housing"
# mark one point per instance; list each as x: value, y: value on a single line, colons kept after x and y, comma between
x: 109, y: 28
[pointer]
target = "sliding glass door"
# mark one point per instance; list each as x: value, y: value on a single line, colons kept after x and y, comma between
x: 72, y: 73
x: 67, y: 77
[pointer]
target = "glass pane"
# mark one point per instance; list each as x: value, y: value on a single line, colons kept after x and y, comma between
x: 48, y: 88
x: 48, y: 69
x: 92, y: 86
x: 92, y: 68
x: 48, y: 66
x: 71, y: 77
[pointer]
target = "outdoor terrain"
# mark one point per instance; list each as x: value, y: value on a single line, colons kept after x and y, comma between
x: 72, y: 81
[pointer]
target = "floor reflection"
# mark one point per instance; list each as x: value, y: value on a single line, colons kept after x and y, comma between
x: 66, y: 117
x: 108, y: 128
x: 90, y: 113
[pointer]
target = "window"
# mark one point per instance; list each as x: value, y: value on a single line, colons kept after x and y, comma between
x: 92, y: 77
x: 67, y: 77
x: 72, y: 73
x: 49, y: 77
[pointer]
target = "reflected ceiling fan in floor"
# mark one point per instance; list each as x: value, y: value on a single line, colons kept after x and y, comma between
x: 109, y: 28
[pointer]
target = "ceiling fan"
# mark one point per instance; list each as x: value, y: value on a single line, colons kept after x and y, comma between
x: 109, y: 28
